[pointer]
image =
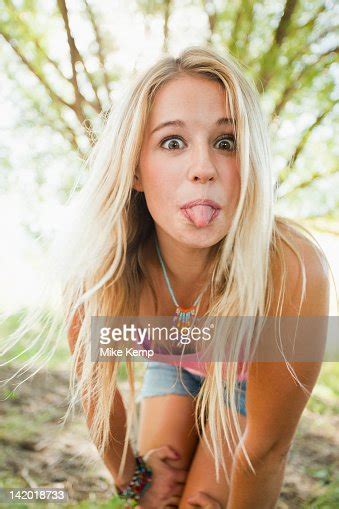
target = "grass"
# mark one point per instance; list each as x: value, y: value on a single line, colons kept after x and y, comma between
x: 324, y: 399
x: 329, y: 499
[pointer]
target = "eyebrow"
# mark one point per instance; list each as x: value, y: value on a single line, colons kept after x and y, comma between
x: 180, y: 123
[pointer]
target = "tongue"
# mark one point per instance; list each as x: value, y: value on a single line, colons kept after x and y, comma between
x: 200, y: 215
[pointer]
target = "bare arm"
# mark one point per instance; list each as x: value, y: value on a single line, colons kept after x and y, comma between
x: 114, y: 452
x: 275, y: 403
x: 167, y: 481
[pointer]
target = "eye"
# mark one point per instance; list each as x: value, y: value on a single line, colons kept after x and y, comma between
x: 172, y: 143
x: 227, y: 143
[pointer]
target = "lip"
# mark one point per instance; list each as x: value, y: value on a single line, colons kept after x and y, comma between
x: 192, y: 203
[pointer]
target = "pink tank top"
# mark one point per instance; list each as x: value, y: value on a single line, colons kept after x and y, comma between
x: 190, y: 363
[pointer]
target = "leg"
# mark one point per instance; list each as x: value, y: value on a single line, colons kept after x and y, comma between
x: 202, y: 472
x: 167, y: 412
x: 168, y: 420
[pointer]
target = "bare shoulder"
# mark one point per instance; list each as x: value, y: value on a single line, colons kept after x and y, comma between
x: 304, y: 269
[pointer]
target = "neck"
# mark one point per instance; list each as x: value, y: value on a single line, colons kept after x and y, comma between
x: 186, y: 267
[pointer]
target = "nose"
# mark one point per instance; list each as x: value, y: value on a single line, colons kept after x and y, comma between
x: 202, y: 168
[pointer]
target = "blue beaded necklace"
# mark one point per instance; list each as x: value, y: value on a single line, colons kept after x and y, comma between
x: 182, y: 316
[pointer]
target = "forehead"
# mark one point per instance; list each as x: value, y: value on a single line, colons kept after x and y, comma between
x: 190, y: 98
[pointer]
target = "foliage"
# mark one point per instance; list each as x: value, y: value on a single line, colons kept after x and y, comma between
x: 289, y: 47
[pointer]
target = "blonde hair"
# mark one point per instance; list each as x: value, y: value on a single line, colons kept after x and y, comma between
x: 101, y: 267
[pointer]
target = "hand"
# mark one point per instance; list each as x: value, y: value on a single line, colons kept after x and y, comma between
x: 204, y: 501
x: 167, y: 482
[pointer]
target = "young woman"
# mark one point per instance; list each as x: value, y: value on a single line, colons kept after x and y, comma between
x: 178, y: 211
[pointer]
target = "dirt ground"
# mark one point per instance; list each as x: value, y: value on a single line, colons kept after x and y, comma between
x: 35, y: 451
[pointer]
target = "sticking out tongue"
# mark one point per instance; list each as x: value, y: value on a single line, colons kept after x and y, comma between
x: 200, y: 215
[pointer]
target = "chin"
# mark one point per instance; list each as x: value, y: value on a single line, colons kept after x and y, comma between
x: 200, y: 238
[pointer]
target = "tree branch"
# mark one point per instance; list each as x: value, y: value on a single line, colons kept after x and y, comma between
x: 299, y: 148
x: 236, y: 23
x: 69, y: 134
x: 306, y: 183
x: 27, y: 30
x: 249, y: 14
x: 305, y: 50
x: 50, y: 60
x: 167, y: 13
x: 296, y: 80
x: 56, y: 97
x: 41, y: 51
x: 46, y: 119
x: 101, y: 53
x: 76, y: 57
x: 311, y: 21
x: 211, y: 12
x: 284, y: 22
x: 308, y: 133
x: 278, y: 38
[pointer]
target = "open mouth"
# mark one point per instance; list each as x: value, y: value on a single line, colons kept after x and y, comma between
x: 200, y: 215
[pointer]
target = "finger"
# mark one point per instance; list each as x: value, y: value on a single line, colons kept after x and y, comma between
x: 148, y: 454
x: 167, y: 452
x: 164, y: 452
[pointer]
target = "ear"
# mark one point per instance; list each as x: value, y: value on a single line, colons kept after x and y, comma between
x: 137, y: 185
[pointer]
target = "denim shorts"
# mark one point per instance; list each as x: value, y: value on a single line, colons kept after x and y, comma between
x: 161, y: 378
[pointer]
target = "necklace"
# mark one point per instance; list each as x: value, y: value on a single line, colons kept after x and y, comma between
x: 182, y: 316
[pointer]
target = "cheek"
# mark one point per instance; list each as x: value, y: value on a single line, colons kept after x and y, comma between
x: 160, y: 189
x: 159, y: 177
x: 231, y: 181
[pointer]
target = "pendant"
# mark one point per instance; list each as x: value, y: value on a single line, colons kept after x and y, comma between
x: 182, y: 316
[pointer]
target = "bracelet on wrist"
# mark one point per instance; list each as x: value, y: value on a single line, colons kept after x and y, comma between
x: 139, y: 483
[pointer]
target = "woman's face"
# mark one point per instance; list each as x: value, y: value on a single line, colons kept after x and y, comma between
x: 187, y: 154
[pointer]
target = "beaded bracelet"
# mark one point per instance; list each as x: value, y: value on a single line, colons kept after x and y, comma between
x: 139, y: 483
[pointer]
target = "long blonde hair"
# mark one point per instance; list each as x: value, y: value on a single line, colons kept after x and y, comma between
x: 101, y: 267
